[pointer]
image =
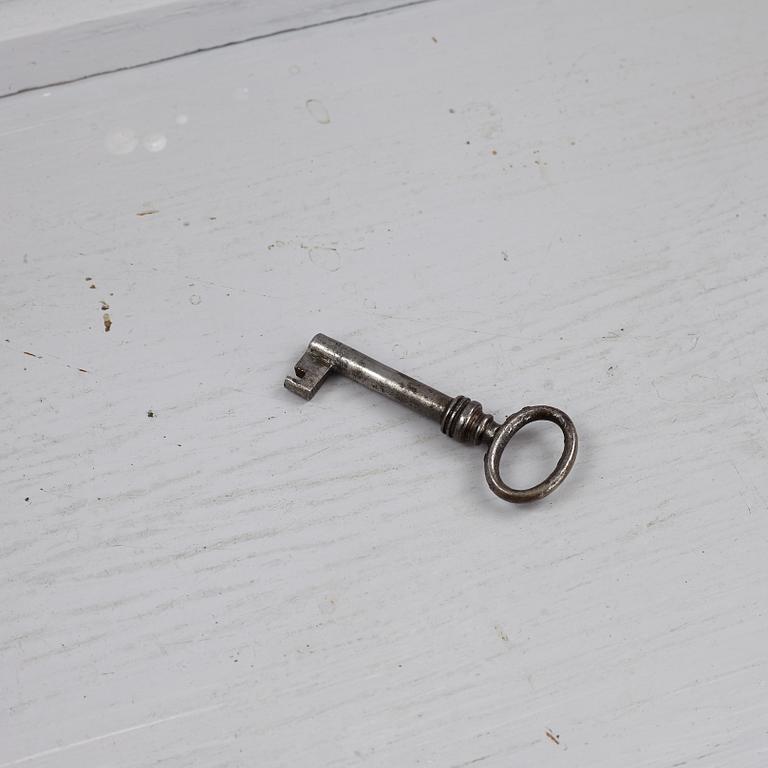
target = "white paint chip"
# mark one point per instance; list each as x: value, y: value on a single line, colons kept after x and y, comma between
x: 318, y: 111
x: 121, y: 141
x: 155, y: 142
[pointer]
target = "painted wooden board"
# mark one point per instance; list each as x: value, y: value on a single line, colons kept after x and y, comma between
x: 523, y: 203
x: 101, y: 42
x: 21, y: 18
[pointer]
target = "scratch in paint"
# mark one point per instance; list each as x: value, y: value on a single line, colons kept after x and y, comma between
x: 109, y: 735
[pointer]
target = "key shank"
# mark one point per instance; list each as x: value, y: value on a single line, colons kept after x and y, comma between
x: 324, y: 355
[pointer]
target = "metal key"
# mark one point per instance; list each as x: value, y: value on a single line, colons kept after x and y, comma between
x: 459, y: 417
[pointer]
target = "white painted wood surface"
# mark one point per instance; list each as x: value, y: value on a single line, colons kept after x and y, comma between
x: 528, y: 203
x: 21, y: 18
x: 108, y: 44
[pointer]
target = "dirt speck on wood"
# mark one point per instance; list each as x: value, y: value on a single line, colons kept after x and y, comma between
x: 107, y: 322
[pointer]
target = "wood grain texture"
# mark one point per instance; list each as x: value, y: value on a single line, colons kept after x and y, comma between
x: 525, y: 204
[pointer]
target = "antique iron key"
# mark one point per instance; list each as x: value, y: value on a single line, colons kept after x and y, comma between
x: 459, y: 417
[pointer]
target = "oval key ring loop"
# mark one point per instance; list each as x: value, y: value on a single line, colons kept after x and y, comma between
x: 505, y: 433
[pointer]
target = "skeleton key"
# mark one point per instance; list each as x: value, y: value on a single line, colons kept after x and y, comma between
x: 459, y: 417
